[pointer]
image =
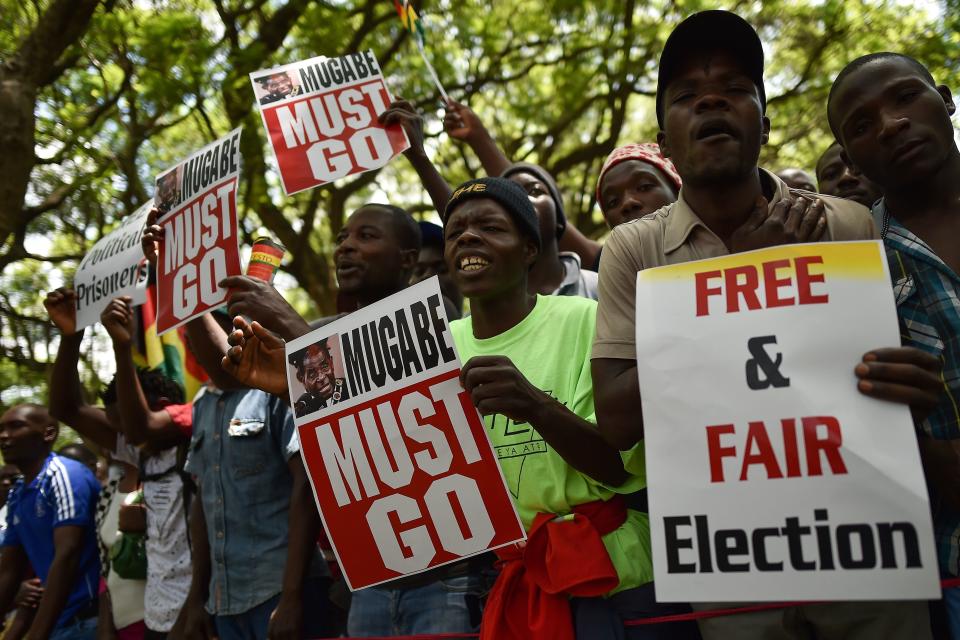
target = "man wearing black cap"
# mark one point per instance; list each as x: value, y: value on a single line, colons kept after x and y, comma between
x: 710, y: 107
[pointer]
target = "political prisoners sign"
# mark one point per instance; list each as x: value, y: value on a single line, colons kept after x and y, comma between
x: 771, y: 477
x: 114, y: 267
x: 401, y: 467
x: 321, y: 119
x: 197, y: 200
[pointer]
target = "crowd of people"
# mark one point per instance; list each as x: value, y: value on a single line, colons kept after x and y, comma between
x: 204, y: 525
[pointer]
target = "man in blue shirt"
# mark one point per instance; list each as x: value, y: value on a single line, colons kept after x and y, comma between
x: 50, y: 524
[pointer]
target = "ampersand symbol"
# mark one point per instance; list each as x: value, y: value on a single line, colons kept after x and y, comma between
x: 761, y: 362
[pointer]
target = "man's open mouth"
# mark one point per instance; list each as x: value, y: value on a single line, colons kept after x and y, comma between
x: 472, y: 263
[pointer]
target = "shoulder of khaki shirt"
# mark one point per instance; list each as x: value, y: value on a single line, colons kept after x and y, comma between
x: 846, y: 219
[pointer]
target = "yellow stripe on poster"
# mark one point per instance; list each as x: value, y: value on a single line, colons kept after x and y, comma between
x: 860, y: 260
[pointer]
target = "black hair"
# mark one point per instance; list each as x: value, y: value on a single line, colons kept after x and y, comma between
x: 407, y: 230
x: 155, y: 386
x: 862, y: 61
x: 79, y: 452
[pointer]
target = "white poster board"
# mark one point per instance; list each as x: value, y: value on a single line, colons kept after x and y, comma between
x: 114, y: 267
x: 771, y: 477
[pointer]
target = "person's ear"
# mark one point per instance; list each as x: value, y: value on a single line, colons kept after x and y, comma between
x: 847, y: 161
x: 50, y: 432
x: 664, y: 145
x: 300, y: 375
x: 408, y: 259
x: 531, y: 252
x: 944, y: 92
x: 765, y: 135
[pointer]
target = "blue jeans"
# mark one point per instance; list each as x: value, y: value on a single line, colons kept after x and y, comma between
x: 82, y: 630
x: 252, y: 624
x: 951, y: 602
x: 602, y: 618
x: 451, y: 605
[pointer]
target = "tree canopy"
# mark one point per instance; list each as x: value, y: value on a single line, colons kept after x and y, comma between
x: 98, y: 96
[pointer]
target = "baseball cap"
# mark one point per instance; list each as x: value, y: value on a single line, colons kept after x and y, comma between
x: 706, y: 30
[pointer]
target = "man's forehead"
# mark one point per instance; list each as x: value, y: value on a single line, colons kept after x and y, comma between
x: 871, y: 80
x: 477, y: 207
x: 370, y: 216
x: 830, y: 156
x: 708, y: 62
x: 22, y: 413
x: 629, y: 169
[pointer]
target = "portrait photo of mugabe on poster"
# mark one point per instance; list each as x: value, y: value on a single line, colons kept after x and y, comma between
x: 402, y: 470
x: 771, y: 477
x: 197, y: 200
x: 320, y: 116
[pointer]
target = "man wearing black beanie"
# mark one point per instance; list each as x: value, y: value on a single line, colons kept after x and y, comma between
x: 537, y: 401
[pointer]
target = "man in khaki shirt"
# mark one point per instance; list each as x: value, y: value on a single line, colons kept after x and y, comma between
x: 710, y: 108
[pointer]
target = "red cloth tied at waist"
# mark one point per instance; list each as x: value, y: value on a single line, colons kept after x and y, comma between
x: 562, y: 558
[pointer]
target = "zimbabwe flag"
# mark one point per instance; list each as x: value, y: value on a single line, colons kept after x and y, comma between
x: 168, y: 352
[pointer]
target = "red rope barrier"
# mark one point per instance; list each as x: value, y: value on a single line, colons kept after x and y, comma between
x: 947, y: 583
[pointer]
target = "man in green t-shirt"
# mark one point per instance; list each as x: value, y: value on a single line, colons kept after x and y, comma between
x: 527, y: 371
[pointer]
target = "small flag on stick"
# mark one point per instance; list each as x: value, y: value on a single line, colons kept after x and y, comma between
x: 412, y: 23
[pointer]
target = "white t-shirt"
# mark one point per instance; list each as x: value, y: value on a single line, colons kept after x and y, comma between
x: 169, y: 568
x: 168, y: 551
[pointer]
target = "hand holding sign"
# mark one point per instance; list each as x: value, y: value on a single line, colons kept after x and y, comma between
x: 152, y: 237
x: 117, y: 319
x: 902, y: 374
x: 405, y: 114
x: 260, y: 301
x: 788, y: 222
x: 256, y: 357
x: 61, y: 306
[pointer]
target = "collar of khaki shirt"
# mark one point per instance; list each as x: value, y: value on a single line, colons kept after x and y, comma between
x: 682, y: 220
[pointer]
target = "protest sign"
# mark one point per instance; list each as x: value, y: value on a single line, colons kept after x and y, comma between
x: 771, y: 477
x: 421, y: 487
x: 114, y: 267
x: 197, y: 200
x: 321, y: 119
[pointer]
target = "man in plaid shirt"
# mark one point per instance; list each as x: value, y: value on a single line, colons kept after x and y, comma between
x: 893, y: 122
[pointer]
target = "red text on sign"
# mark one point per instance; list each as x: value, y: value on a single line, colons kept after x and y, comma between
x: 783, y: 285
x: 820, y: 437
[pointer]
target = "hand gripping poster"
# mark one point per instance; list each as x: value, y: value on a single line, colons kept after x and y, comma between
x: 197, y: 200
x: 401, y: 466
x: 321, y: 119
x: 770, y: 475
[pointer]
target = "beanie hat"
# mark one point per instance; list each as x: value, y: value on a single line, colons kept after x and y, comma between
x: 541, y: 174
x: 648, y: 152
x: 505, y: 193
